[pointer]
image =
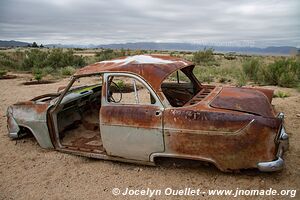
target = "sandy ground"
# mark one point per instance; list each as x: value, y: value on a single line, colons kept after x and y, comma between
x: 30, y: 172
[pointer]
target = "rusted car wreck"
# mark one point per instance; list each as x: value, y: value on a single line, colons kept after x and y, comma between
x: 158, y: 116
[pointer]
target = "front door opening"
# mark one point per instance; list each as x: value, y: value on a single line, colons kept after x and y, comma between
x: 78, y: 116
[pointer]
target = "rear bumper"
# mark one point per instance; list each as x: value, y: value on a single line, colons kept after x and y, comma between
x: 283, y: 145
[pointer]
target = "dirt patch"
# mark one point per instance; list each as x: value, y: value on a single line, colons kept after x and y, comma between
x: 38, y: 82
x: 8, y: 77
x: 29, y: 172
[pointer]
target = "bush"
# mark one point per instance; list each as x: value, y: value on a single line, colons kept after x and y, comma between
x: 120, y: 84
x: 34, y: 59
x: 283, y: 72
x: 205, y: 57
x: 251, y: 68
x: 108, y: 54
x: 56, y: 59
x: 12, y: 60
x: 47, y: 61
x: 37, y: 74
x: 241, y: 78
x: 68, y: 71
x: 298, y: 87
x: 206, y: 78
x: 281, y: 94
x: 48, y: 70
x: 224, y: 80
x: 2, y: 73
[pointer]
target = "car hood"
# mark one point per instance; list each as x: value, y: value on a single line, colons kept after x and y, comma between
x: 244, y: 100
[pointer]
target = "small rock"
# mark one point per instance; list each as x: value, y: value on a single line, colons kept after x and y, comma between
x: 137, y: 169
x: 298, y: 115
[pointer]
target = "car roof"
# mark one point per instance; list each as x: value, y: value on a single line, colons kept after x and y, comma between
x: 153, y: 68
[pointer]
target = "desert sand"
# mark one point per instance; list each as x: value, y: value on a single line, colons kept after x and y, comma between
x: 29, y: 172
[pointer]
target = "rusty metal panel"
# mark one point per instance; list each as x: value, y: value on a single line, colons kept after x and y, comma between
x: 134, y: 143
x: 143, y: 116
x: 242, y: 99
x: 12, y: 125
x: 33, y: 116
x: 153, y: 68
x: 132, y: 132
x: 230, y: 141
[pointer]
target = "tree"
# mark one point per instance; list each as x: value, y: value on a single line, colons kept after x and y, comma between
x: 34, y: 45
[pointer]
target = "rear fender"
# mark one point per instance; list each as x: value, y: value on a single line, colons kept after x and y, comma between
x: 268, y: 92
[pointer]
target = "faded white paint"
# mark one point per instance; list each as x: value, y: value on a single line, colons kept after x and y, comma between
x: 131, y: 142
x: 140, y: 59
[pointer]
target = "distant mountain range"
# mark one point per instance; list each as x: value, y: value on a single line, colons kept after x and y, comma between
x: 13, y: 43
x: 282, y: 50
x: 273, y: 50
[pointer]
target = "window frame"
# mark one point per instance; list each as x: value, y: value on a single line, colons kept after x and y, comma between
x: 107, y: 75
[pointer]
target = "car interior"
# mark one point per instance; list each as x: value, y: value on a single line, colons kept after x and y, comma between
x: 78, y: 122
x: 78, y: 117
x: 182, y: 88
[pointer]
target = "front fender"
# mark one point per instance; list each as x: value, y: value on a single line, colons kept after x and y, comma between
x: 33, y: 117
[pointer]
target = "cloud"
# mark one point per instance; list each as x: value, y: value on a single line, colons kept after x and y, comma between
x: 260, y: 23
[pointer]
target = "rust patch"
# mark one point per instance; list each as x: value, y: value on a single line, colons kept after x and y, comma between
x: 39, y: 108
x: 268, y: 92
x: 153, y: 73
x: 24, y: 103
x: 245, y: 100
x: 131, y: 115
x: 221, y: 136
x: 229, y: 152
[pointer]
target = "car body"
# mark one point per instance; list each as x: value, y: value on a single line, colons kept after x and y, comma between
x: 231, y: 127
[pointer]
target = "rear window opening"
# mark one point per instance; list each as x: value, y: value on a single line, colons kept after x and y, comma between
x: 182, y: 88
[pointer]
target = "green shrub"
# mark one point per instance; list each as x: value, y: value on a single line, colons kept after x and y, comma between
x: 224, y: 80
x: 2, y: 73
x: 205, y: 74
x: 241, y: 78
x: 55, y: 58
x: 11, y: 60
x: 48, y: 70
x: 281, y: 94
x: 251, y: 68
x: 108, y: 54
x: 207, y: 78
x: 35, y: 58
x: 68, y: 71
x: 283, y: 72
x: 298, y: 87
x: 205, y: 57
x: 120, y: 84
x: 37, y: 74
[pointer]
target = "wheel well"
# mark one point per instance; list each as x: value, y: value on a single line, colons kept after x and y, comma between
x: 25, y: 132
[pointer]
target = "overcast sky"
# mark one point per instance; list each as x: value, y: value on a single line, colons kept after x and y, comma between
x: 233, y: 22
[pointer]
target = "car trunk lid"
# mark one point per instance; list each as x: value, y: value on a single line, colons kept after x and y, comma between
x: 244, y: 100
